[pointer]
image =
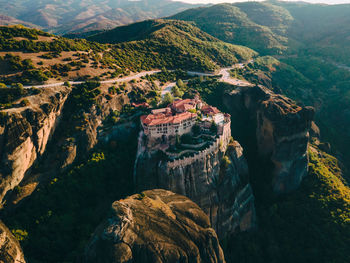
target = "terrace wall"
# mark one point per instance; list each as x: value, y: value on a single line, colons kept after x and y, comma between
x: 219, y: 144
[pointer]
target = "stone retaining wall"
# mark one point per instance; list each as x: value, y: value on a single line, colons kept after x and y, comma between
x: 219, y: 144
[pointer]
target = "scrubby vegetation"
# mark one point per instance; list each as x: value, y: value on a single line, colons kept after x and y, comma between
x: 162, y: 44
x: 31, y: 43
x: 8, y: 95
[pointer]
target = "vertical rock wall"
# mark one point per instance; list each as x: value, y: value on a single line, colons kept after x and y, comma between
x: 24, y: 134
x: 282, y: 132
x: 221, y: 188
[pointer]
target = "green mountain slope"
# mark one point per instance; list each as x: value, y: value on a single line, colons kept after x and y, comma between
x: 260, y: 26
x: 174, y: 44
x: 323, y: 30
x: 277, y: 26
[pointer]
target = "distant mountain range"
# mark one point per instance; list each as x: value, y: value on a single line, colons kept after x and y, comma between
x: 73, y: 16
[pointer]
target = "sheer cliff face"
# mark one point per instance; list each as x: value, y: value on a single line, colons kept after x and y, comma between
x: 10, y: 250
x: 155, y: 226
x: 220, y: 188
x: 24, y: 133
x: 282, y: 132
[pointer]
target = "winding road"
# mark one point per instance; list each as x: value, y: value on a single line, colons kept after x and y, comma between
x: 224, y: 72
x: 225, y: 77
x: 124, y: 79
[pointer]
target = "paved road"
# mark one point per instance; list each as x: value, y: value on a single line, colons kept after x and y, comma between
x: 224, y: 72
x: 124, y: 79
x: 225, y: 77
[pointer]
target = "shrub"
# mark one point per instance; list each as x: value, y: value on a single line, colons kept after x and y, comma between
x: 25, y: 102
x: 20, y: 234
x: 168, y: 98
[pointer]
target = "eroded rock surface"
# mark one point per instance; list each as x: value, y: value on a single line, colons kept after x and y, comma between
x: 24, y: 134
x: 282, y: 132
x: 155, y: 226
x: 10, y: 250
x: 221, y: 188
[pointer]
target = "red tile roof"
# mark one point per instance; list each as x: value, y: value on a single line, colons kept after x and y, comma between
x: 210, y: 110
x: 143, y: 104
x: 183, y: 105
x: 162, y: 110
x: 156, y: 119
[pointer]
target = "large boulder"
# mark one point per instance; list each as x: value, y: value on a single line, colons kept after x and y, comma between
x: 155, y: 226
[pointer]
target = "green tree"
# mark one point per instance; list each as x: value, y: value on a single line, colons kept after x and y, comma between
x: 168, y: 98
x: 180, y: 84
x: 177, y: 92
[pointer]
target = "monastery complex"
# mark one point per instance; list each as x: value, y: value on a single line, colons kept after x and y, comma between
x: 205, y: 127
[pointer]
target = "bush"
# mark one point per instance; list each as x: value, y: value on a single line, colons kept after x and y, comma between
x: 20, y: 235
x: 25, y: 102
x: 36, y: 75
x: 168, y: 98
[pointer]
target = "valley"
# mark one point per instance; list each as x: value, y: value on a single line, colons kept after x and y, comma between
x: 217, y: 133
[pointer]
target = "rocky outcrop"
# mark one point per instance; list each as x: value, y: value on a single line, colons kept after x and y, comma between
x: 24, y: 134
x: 155, y: 226
x: 218, y: 182
x: 10, y: 250
x: 282, y: 132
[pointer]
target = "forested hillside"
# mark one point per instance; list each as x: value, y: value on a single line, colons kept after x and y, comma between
x: 243, y: 24
x: 278, y: 27
x: 31, y: 56
x: 174, y: 43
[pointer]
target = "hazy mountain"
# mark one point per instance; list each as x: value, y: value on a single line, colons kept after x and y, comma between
x: 8, y: 21
x: 81, y: 16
